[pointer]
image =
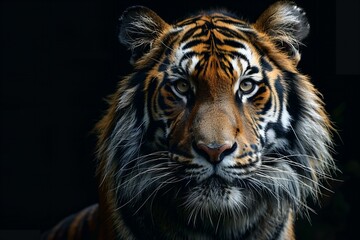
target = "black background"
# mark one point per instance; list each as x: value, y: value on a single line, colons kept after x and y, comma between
x: 60, y: 59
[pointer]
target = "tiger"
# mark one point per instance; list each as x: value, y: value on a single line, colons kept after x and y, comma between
x: 214, y: 134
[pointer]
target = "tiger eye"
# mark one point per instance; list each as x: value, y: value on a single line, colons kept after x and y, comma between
x: 182, y: 86
x: 246, y: 86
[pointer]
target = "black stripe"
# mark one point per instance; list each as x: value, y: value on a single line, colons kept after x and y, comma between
x: 252, y: 70
x: 265, y: 65
x: 234, y: 43
x: 279, y: 229
x: 267, y: 106
x: 235, y: 54
x: 280, y: 93
x: 189, y: 34
x: 164, y: 65
x: 230, y: 33
x: 61, y: 233
x: 279, y: 89
x: 232, y: 22
x: 258, y: 96
x: 295, y: 108
x: 189, y: 21
x: 91, y: 217
x: 192, y: 43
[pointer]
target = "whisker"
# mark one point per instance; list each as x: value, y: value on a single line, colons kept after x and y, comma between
x: 289, y: 193
x: 140, y: 192
x: 154, y: 169
x: 319, y: 172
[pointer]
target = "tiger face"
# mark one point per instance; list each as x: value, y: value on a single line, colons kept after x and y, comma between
x: 215, y: 133
x: 220, y: 106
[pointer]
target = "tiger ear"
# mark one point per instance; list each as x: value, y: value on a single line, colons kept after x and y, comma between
x: 287, y: 25
x: 139, y: 27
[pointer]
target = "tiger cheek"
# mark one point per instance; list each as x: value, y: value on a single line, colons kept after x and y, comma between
x: 179, y: 135
x: 245, y: 132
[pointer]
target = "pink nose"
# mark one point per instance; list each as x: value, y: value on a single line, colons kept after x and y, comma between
x: 215, y: 152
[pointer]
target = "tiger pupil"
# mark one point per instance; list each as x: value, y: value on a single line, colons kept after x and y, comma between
x: 182, y: 86
x: 246, y: 86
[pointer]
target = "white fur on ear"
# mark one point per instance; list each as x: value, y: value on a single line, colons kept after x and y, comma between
x: 139, y: 27
x: 286, y: 24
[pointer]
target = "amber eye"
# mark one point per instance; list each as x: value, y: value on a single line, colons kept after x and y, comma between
x: 182, y: 86
x: 247, y: 86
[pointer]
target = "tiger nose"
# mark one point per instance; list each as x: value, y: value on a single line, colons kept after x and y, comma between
x: 215, y: 153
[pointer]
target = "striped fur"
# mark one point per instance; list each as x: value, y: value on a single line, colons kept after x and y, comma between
x: 82, y: 225
x: 214, y: 135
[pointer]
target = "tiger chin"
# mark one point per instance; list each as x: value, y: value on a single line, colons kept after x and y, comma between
x: 215, y: 134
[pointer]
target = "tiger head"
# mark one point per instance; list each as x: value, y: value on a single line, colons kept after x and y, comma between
x: 215, y: 132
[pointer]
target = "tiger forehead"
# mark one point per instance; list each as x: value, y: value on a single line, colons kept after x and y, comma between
x: 209, y: 53
x: 214, y: 47
x: 214, y: 30
x: 215, y: 18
